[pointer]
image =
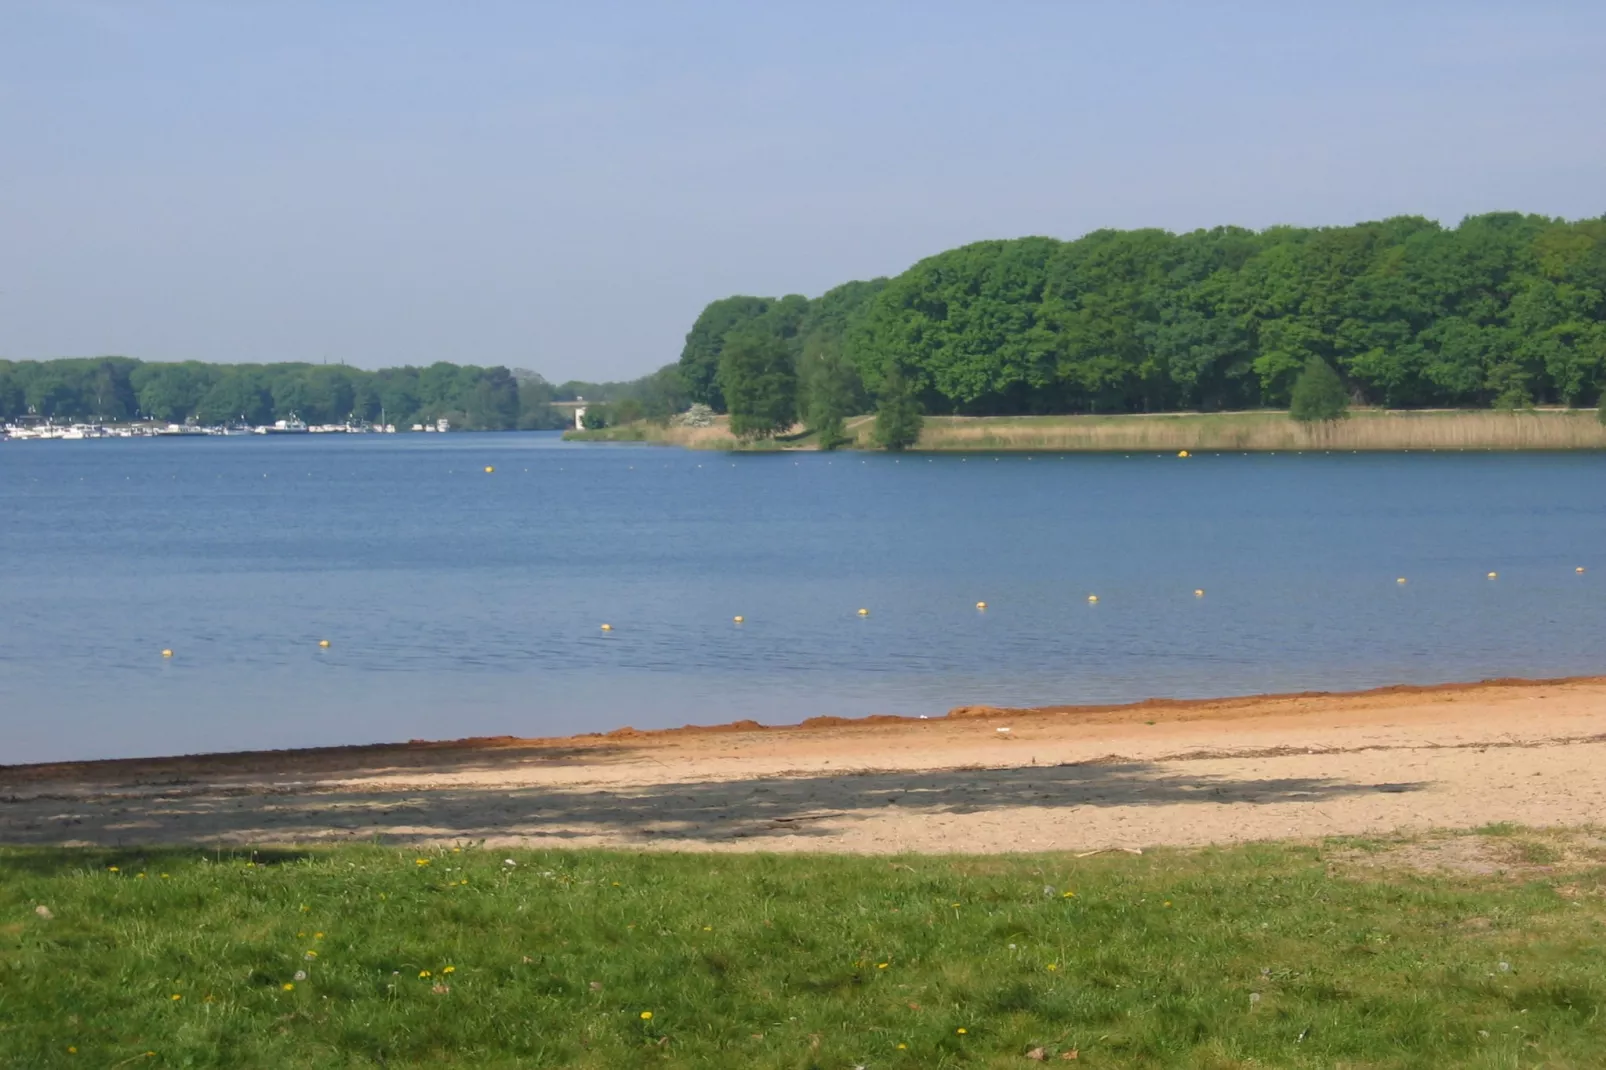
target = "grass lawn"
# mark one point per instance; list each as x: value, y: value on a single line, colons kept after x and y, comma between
x: 1267, y: 956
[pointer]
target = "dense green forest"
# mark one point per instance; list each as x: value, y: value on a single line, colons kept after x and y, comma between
x: 119, y: 388
x: 1504, y: 310
x: 473, y: 398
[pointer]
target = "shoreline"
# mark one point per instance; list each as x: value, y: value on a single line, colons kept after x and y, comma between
x: 979, y: 780
x: 1100, y: 713
x: 1261, y: 431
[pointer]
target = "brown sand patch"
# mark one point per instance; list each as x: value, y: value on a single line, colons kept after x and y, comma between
x: 1063, y: 778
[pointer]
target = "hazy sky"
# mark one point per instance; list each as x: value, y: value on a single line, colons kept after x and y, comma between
x: 563, y: 186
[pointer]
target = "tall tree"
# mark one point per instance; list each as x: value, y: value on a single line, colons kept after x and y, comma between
x: 898, y: 421
x: 705, y: 342
x: 1318, y: 394
x: 759, y: 384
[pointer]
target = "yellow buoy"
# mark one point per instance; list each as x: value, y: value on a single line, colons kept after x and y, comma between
x: 864, y: 612
x: 1400, y: 580
x: 324, y: 643
x: 1494, y: 575
x: 1198, y: 592
x: 738, y: 620
x: 1183, y: 453
x: 489, y: 469
x: 1092, y: 598
x: 167, y: 653
x: 981, y: 605
x: 607, y: 627
x: 1580, y: 568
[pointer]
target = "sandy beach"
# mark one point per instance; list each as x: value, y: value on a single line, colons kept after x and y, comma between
x: 981, y: 779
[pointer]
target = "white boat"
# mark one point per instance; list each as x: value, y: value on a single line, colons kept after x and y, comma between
x: 292, y: 426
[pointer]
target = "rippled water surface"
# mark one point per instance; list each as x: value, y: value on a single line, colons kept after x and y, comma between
x: 463, y: 603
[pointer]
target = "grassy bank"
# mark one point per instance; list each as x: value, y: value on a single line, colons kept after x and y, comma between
x: 1546, y: 429
x: 1346, y: 954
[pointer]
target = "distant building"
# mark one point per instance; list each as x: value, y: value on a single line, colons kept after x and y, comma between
x: 443, y: 424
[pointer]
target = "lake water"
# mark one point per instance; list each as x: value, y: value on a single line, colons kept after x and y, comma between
x: 459, y: 603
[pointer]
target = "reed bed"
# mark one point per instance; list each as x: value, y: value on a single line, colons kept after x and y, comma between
x: 1377, y: 430
x: 1267, y: 431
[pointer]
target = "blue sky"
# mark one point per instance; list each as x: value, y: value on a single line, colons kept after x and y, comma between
x: 563, y: 186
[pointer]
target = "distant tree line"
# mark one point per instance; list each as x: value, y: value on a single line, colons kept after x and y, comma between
x: 120, y: 388
x: 1504, y: 310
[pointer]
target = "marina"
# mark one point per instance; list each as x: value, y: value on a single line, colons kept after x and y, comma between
x: 47, y: 430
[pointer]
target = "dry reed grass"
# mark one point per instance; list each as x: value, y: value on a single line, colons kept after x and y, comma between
x: 1266, y: 431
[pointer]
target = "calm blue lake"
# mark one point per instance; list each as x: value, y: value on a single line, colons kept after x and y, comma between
x: 459, y: 603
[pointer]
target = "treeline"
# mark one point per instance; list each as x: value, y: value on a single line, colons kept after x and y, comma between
x: 120, y: 388
x: 1504, y: 310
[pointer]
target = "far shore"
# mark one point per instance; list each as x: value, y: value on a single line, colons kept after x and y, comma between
x: 1364, y: 430
x: 980, y: 779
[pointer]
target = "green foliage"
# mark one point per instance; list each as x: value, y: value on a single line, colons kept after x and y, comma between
x: 1265, y: 955
x: 700, y: 358
x: 1318, y: 393
x: 117, y: 388
x: 758, y: 381
x: 831, y: 387
x: 597, y: 416
x: 1503, y: 310
x: 897, y: 418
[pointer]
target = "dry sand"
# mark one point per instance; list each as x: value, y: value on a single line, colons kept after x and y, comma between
x: 979, y: 780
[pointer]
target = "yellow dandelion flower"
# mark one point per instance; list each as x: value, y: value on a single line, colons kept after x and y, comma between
x: 176, y: 997
x: 317, y: 936
x: 646, y: 1016
x: 423, y: 973
x: 708, y: 928
x: 421, y: 862
x: 1052, y: 967
x: 961, y: 1030
x: 113, y: 869
x: 139, y: 876
x: 882, y: 965
x: 1068, y: 895
x: 310, y: 955
x: 305, y: 909
x: 300, y: 935
x: 72, y: 1050
x: 457, y: 850
x: 903, y: 1047
x: 955, y: 904
x: 288, y: 987
x: 165, y: 877
x: 1167, y: 902
x: 616, y: 884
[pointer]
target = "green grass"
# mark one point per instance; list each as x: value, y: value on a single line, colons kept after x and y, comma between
x: 1218, y: 958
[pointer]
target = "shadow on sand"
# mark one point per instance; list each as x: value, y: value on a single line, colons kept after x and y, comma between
x: 689, y: 812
